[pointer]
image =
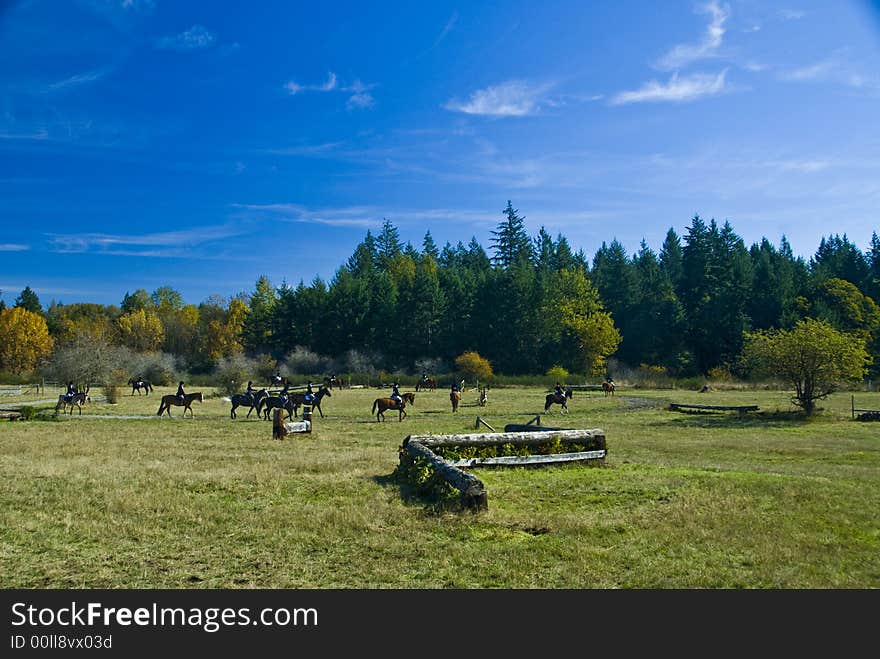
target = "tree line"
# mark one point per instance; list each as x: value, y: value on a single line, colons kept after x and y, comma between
x: 528, y: 304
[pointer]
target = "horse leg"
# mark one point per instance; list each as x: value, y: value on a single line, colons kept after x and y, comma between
x: 232, y: 412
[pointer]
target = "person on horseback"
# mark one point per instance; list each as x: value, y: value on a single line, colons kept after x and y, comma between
x: 250, y: 388
x: 557, y: 389
x: 395, y: 393
x: 181, y: 394
x: 284, y: 394
x: 71, y: 391
x: 310, y: 395
x: 139, y: 381
x: 454, y: 386
x: 424, y: 377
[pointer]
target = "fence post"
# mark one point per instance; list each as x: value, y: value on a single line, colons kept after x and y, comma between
x: 853, y: 398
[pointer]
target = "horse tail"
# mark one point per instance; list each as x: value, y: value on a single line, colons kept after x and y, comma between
x: 375, y: 404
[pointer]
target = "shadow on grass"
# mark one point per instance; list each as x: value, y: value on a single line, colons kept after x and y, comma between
x: 709, y: 419
x: 411, y: 496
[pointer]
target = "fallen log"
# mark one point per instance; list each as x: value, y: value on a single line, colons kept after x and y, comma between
x: 528, y: 438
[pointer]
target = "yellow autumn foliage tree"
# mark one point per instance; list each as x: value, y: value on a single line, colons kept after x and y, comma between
x: 141, y: 330
x: 24, y: 340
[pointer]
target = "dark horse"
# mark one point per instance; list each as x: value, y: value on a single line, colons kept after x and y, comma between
x: 299, y: 399
x: 455, y: 399
x: 268, y: 403
x: 428, y: 383
x: 559, y: 400
x: 334, y: 381
x: 608, y: 388
x: 172, y: 399
x: 278, y: 380
x: 137, y: 385
x: 384, y: 404
x: 72, y: 400
x: 247, y: 400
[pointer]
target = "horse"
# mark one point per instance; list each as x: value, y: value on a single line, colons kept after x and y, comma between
x: 278, y: 380
x: 268, y: 403
x: 334, y: 380
x: 137, y: 385
x: 428, y: 383
x: 608, y: 388
x: 484, y: 396
x: 384, y: 404
x: 249, y: 400
x: 172, y: 399
x: 455, y: 399
x: 559, y: 400
x: 298, y: 399
x: 75, y: 400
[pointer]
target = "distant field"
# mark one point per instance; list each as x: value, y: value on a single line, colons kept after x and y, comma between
x: 758, y: 500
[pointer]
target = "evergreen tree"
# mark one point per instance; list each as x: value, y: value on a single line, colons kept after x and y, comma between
x: 510, y: 241
x: 29, y: 301
x: 671, y: 258
x: 429, y: 247
x: 388, y: 246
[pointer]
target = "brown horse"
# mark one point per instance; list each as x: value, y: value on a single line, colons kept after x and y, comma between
x: 559, y: 400
x: 298, y: 399
x: 334, y: 381
x: 608, y: 388
x: 383, y: 404
x: 72, y: 400
x: 455, y: 399
x: 409, y: 397
x: 172, y: 399
x: 428, y: 383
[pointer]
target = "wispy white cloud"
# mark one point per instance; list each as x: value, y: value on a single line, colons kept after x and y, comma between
x: 816, y: 71
x: 37, y: 134
x: 685, y: 53
x: 195, y: 38
x: 361, y: 100
x: 446, y: 29
x: 835, y: 69
x: 791, y: 14
x: 366, y: 216
x: 359, y: 92
x: 161, y: 244
x: 677, y: 90
x: 514, y: 98
x: 13, y: 247
x: 75, y: 80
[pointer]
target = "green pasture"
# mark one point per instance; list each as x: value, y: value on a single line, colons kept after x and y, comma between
x: 118, y: 498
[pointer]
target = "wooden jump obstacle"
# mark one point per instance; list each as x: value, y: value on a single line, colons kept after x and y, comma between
x: 12, y: 415
x: 280, y: 430
x: 429, y: 448
x: 864, y: 414
x: 681, y: 407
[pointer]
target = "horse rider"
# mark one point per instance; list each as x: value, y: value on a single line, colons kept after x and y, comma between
x: 181, y: 395
x: 310, y: 395
x: 250, y: 388
x: 285, y: 392
x: 557, y: 389
x: 139, y: 381
x: 71, y: 391
x: 454, y: 386
x: 424, y: 377
x: 395, y: 393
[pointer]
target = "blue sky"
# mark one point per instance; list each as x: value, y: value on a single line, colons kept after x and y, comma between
x: 199, y: 145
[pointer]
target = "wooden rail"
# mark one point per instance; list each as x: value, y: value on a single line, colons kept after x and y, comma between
x: 861, y: 411
x: 737, y: 408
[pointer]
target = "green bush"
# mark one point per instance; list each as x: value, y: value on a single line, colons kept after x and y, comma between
x: 28, y: 413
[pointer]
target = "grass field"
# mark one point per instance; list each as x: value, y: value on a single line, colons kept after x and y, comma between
x: 757, y: 500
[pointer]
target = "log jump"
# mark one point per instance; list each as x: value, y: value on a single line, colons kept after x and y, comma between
x: 280, y: 429
x: 430, y: 449
x: 684, y: 407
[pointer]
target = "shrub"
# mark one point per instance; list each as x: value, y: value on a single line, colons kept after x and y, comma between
x: 557, y: 373
x: 28, y: 412
x: 472, y: 364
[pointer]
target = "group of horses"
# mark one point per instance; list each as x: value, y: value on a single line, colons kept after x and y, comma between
x: 263, y: 402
